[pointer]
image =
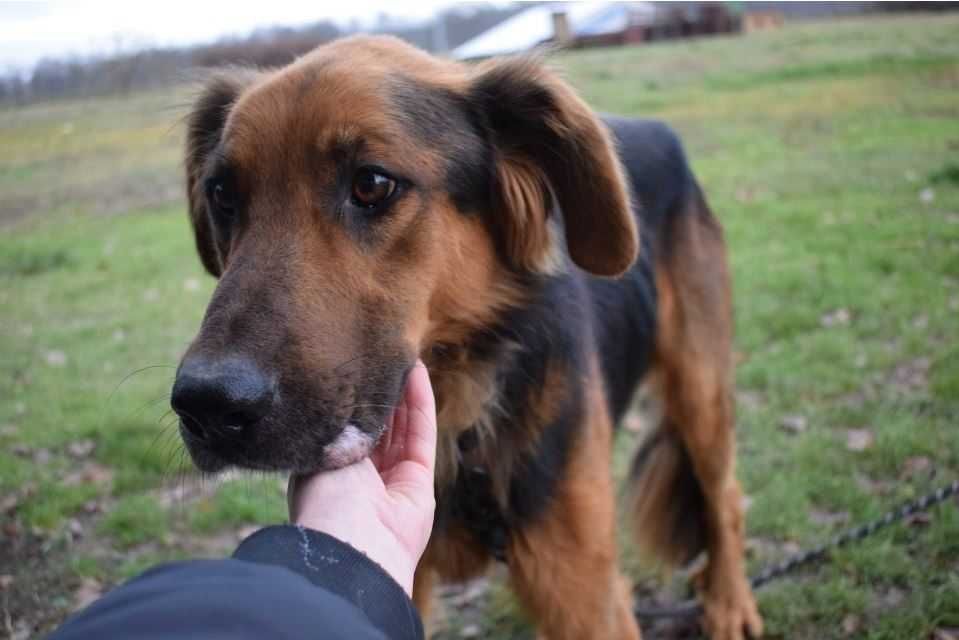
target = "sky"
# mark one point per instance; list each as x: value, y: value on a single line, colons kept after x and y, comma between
x: 33, y: 30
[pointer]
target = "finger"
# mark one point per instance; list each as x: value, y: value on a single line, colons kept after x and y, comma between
x: 419, y: 443
x: 390, y: 450
x: 381, y: 454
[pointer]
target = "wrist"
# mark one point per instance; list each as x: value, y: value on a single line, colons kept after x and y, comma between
x: 377, y: 545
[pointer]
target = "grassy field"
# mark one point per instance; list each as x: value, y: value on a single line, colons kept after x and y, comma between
x: 831, y: 153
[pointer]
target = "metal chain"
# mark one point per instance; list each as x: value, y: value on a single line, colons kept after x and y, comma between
x: 690, y: 608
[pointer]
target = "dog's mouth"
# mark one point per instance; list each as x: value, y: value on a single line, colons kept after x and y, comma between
x: 226, y: 422
x: 351, y: 445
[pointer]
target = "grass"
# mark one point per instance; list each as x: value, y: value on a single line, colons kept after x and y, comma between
x: 828, y: 150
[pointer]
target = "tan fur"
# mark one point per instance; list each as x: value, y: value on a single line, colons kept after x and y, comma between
x: 694, y: 347
x: 564, y: 568
x: 529, y: 237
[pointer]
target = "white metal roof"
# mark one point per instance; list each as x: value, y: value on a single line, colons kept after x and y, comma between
x: 534, y: 26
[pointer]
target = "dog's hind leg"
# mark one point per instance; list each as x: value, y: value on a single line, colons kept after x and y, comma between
x: 686, y: 482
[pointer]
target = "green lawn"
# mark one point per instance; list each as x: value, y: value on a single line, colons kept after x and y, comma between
x: 830, y: 152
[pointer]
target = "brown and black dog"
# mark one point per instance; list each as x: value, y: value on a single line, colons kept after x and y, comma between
x: 370, y: 204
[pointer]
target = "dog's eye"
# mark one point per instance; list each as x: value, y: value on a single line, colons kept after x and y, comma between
x: 371, y: 188
x: 222, y: 198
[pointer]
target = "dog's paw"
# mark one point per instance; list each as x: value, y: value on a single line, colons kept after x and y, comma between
x: 730, y: 611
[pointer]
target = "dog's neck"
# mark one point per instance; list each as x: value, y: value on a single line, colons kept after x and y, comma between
x: 466, y: 386
x: 469, y: 366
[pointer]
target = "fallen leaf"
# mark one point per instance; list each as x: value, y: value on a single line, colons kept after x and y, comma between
x: 912, y: 375
x: 851, y: 624
x: 750, y: 400
x: 89, y: 473
x: 793, y: 424
x: 92, y: 506
x: 13, y: 500
x: 87, y: 593
x: 915, y: 466
x: 75, y: 528
x: 11, y: 530
x: 81, y: 448
x: 893, y: 598
x: 21, y: 450
x: 55, y: 358
x: 859, y: 439
x: 9, y: 502
x: 836, y: 318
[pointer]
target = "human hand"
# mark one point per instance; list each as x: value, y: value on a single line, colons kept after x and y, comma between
x: 384, y: 504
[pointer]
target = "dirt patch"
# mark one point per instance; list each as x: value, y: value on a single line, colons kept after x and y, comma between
x: 906, y: 380
x: 39, y: 591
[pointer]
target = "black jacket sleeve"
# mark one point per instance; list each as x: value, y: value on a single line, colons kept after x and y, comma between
x: 282, y: 582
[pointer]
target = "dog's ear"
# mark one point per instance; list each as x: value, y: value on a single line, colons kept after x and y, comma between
x: 205, y: 124
x: 551, y: 150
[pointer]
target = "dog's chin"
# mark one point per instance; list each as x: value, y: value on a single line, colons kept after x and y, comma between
x: 349, y: 447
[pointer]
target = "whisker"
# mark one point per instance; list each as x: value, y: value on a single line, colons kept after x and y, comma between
x: 136, y: 372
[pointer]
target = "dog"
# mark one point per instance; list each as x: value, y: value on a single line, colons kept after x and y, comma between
x: 370, y: 204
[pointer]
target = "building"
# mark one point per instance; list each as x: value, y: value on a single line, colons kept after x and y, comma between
x: 585, y: 24
x: 559, y: 23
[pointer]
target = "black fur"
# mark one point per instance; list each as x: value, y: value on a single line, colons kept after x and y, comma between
x: 546, y: 332
x: 625, y: 309
x: 204, y: 130
x: 444, y: 119
x: 688, y: 502
x: 567, y: 317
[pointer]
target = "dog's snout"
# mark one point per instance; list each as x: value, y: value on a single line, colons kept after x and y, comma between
x: 220, y: 399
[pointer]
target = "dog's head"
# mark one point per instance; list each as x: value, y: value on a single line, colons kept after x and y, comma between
x: 360, y: 206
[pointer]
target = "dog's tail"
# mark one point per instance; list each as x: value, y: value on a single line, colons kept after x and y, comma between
x: 668, y: 505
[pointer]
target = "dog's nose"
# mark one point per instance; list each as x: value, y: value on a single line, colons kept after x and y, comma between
x: 220, y: 399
